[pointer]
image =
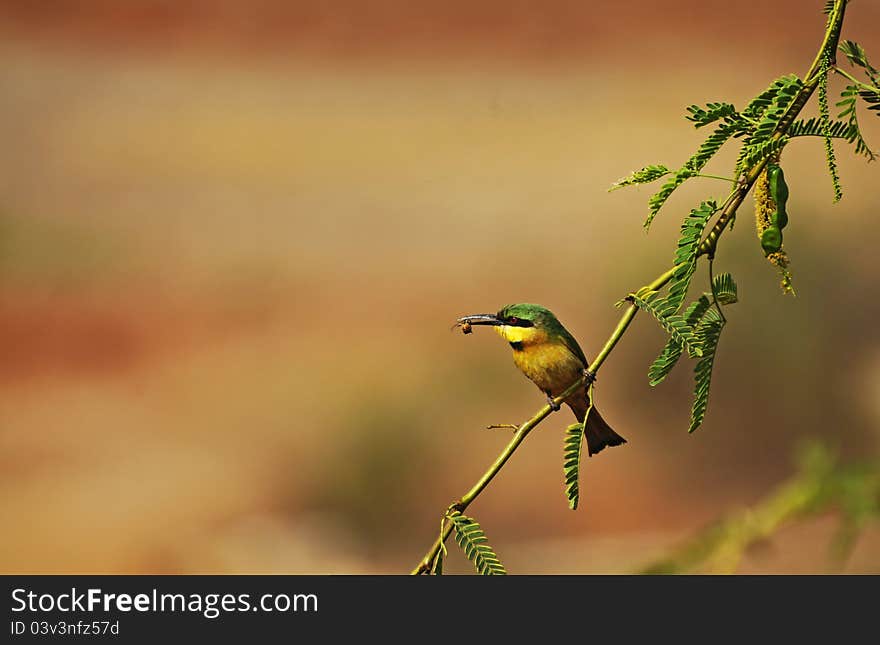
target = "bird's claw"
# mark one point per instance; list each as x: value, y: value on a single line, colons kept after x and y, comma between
x: 553, y: 404
x: 589, y: 376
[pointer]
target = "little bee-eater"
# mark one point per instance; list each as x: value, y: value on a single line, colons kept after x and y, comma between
x: 551, y: 358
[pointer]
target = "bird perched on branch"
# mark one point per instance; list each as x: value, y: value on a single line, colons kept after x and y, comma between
x: 552, y: 359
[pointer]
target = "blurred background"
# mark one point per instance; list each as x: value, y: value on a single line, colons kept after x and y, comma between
x: 234, y: 236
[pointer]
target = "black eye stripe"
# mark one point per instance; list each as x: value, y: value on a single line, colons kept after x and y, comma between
x: 513, y: 321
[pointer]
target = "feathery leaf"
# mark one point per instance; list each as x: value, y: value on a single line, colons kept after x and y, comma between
x: 659, y: 198
x: 574, y: 436
x: 685, y: 260
x: 849, y: 98
x: 711, y: 113
x: 674, y: 324
x: 858, y: 57
x: 812, y: 127
x: 766, y: 112
x: 663, y: 364
x: 724, y: 289
x: 643, y: 176
x: 752, y: 155
x: 707, y: 333
x: 872, y: 98
x: 473, y: 542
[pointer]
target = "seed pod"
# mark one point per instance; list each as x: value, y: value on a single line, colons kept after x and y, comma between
x: 771, y: 240
x: 779, y: 194
x: 779, y: 218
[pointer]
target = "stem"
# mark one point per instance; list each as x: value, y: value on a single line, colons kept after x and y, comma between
x: 707, y: 247
x: 732, y: 181
x: 852, y: 78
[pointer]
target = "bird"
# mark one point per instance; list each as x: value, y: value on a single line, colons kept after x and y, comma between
x: 549, y: 356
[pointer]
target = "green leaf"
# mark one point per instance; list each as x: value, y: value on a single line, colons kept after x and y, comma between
x: 752, y: 155
x: 674, y: 324
x: 574, y: 437
x: 706, y: 334
x: 711, y: 113
x: 713, y: 144
x: 849, y: 99
x: 766, y: 112
x: 643, y: 176
x: 872, y: 98
x: 724, y: 288
x: 670, y: 354
x: 813, y: 127
x: 685, y: 260
x: 758, y: 106
x: 473, y: 542
x: 859, y: 58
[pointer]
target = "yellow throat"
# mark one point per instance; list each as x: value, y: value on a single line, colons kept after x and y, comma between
x: 524, y: 335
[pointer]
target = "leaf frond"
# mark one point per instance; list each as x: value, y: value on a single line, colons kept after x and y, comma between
x: 751, y: 155
x: 674, y: 324
x: 707, y: 334
x: 849, y: 99
x: 766, y: 112
x: 872, y: 98
x: 711, y: 113
x: 644, y: 176
x: 685, y: 260
x: 574, y: 436
x: 858, y: 57
x: 655, y: 203
x: 724, y: 288
x: 470, y: 537
x: 663, y: 364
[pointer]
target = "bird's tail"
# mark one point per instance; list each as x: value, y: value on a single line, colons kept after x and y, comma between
x: 598, y: 433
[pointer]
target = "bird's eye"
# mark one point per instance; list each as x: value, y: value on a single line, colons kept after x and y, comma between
x: 513, y: 320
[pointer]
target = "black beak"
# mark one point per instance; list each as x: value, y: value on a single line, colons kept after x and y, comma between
x: 480, y: 319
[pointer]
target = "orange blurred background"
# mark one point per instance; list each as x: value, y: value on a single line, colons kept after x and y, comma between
x: 234, y: 236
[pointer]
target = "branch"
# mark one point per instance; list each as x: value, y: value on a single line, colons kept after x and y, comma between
x: 820, y: 485
x: 707, y: 247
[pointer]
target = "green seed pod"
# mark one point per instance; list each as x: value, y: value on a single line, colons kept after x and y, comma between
x: 779, y: 218
x: 771, y: 240
x: 778, y: 193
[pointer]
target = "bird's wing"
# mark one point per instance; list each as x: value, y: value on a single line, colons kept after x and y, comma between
x: 573, y: 347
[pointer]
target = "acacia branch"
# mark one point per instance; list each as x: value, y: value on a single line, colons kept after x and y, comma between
x: 707, y: 247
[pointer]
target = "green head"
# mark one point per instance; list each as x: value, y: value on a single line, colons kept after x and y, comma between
x: 521, y: 316
x: 526, y: 314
